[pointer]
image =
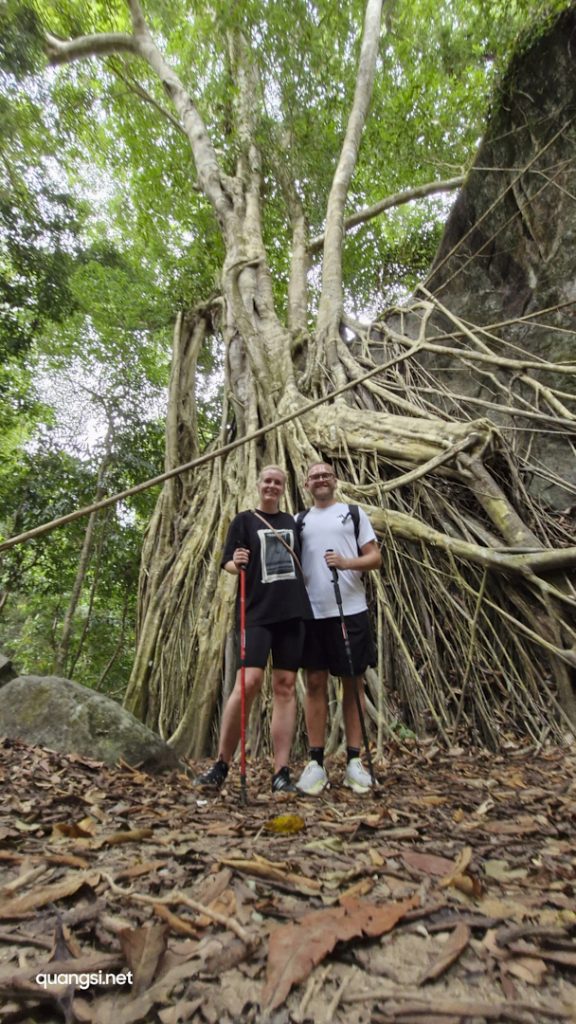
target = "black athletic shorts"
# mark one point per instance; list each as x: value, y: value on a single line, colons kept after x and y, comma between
x: 324, y: 646
x: 284, y: 639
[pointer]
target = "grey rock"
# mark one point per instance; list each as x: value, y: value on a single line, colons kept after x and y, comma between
x: 57, y: 713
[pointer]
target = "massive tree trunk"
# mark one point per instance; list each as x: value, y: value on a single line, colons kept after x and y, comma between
x: 472, y: 612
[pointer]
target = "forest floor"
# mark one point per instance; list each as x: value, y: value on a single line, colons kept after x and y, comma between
x: 449, y: 896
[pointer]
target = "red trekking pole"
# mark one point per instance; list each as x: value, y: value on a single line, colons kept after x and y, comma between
x: 243, y: 793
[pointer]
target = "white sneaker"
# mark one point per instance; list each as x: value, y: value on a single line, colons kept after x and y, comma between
x: 313, y: 779
x: 357, y: 778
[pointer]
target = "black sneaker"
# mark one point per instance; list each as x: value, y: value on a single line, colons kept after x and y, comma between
x: 215, y: 777
x: 282, y: 783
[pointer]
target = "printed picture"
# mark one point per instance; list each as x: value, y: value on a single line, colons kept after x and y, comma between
x: 276, y: 561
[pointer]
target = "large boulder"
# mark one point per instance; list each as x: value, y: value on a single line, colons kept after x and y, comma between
x: 51, y: 712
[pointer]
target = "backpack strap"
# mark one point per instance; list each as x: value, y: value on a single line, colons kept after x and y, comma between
x: 300, y: 521
x: 354, y: 512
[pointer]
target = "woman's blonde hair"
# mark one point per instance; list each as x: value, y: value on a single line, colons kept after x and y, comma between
x: 278, y: 470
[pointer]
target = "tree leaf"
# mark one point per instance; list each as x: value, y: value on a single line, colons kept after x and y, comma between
x: 144, y: 949
x: 67, y: 886
x: 455, y: 946
x: 285, y: 824
x: 295, y: 949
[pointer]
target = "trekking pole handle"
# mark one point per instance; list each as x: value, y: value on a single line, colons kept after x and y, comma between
x: 332, y: 568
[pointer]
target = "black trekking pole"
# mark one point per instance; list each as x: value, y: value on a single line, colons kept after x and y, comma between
x: 243, y: 793
x: 346, y: 639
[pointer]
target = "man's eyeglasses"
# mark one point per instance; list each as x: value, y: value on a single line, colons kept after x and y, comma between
x: 321, y: 476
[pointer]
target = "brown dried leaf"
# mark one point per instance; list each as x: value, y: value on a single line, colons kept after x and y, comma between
x: 527, y: 968
x: 433, y: 800
x: 143, y: 868
x: 455, y: 946
x: 68, y: 860
x: 500, y: 871
x: 177, y: 924
x: 182, y: 1012
x: 75, y: 830
x: 504, y: 909
x: 67, y: 886
x: 295, y: 949
x: 523, y: 825
x: 224, y: 904
x: 427, y: 862
x: 274, y: 873
x: 463, y: 861
x: 134, y: 836
x: 360, y: 888
x: 144, y: 948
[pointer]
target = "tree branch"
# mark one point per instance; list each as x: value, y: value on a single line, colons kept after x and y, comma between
x: 142, y: 44
x: 63, y: 51
x: 331, y: 297
x: 397, y: 199
x: 504, y: 559
x: 138, y: 90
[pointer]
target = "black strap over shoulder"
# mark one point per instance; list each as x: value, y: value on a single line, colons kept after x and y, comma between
x: 300, y: 521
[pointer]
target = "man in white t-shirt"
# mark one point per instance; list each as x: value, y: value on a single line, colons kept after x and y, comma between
x: 330, y: 538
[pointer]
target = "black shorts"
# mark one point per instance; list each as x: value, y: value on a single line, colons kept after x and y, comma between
x: 324, y: 646
x: 284, y: 639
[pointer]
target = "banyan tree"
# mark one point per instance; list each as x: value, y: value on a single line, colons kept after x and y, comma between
x: 449, y: 416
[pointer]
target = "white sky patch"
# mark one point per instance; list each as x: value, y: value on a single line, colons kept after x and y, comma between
x: 86, y: 401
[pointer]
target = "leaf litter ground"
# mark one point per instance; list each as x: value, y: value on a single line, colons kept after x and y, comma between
x: 447, y: 897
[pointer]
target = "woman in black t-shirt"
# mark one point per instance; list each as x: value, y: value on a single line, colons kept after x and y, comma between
x: 264, y: 541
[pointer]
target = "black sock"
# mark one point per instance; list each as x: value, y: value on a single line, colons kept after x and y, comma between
x: 224, y: 764
x: 351, y: 753
x: 317, y: 754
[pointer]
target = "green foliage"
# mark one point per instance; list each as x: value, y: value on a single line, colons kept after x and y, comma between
x: 49, y: 482
x: 21, y: 38
x: 36, y: 261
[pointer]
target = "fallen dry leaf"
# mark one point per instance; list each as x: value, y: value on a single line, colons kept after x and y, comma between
x: 144, y: 949
x: 427, y: 862
x: 67, y: 886
x: 458, y: 878
x: 501, y: 871
x: 266, y: 870
x: 134, y: 836
x: 294, y: 949
x: 528, y: 969
x: 459, y: 867
x: 176, y: 923
x: 181, y: 1012
x: 285, y: 824
x: 452, y: 949
x: 75, y: 830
